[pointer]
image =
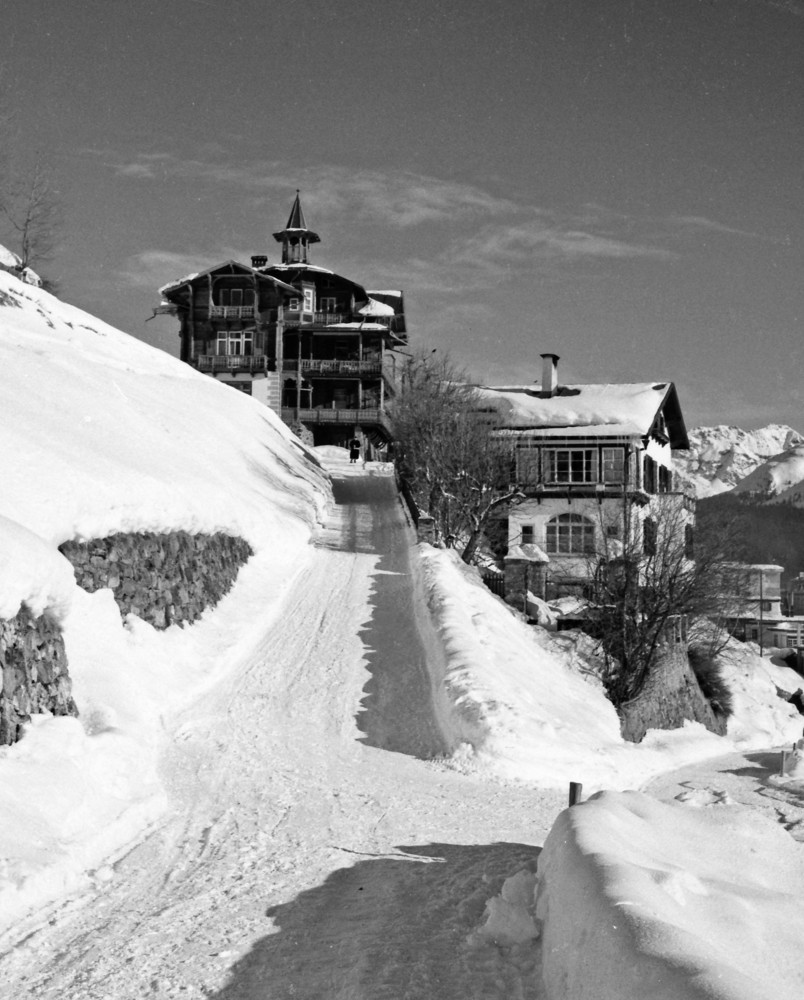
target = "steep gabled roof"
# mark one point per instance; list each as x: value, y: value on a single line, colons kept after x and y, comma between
x: 234, y: 267
x: 605, y: 410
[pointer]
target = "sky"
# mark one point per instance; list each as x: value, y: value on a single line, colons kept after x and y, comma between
x: 615, y: 181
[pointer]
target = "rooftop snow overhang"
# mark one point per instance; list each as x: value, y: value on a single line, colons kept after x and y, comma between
x: 298, y: 272
x: 235, y: 267
x: 590, y: 410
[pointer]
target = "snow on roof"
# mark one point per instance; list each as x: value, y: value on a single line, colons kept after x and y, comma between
x: 622, y: 409
x: 529, y: 551
x: 377, y: 308
x: 299, y: 267
x: 357, y: 326
x: 178, y: 282
x: 173, y: 285
x: 390, y: 292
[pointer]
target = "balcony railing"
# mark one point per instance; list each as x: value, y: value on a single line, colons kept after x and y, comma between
x: 232, y: 362
x: 294, y: 316
x: 231, y: 312
x: 311, y: 366
x: 319, y: 415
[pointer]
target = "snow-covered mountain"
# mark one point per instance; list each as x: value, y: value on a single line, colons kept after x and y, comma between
x: 720, y: 457
x: 778, y: 479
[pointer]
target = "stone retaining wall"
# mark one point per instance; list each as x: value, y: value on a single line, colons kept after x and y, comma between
x: 33, y: 673
x: 671, y: 695
x: 162, y: 578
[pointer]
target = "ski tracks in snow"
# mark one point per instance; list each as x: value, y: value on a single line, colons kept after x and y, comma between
x: 298, y: 861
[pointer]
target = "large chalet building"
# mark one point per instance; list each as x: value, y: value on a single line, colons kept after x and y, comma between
x: 314, y: 346
x: 595, y: 466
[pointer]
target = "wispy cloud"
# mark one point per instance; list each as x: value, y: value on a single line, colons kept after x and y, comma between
x: 397, y: 198
x: 543, y: 238
x: 474, y: 239
x: 700, y: 222
x: 153, y: 268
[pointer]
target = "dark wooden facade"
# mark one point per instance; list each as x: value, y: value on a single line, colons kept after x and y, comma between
x: 316, y: 347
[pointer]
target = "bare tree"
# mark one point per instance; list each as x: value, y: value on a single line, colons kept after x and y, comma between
x: 653, y: 582
x: 31, y: 211
x: 446, y: 447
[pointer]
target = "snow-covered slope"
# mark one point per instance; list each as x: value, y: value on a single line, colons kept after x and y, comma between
x: 719, y: 457
x: 100, y: 434
x: 780, y: 474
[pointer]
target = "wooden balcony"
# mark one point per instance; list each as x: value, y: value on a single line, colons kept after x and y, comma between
x: 316, y: 367
x: 232, y: 363
x: 294, y: 317
x: 231, y: 312
x: 366, y: 417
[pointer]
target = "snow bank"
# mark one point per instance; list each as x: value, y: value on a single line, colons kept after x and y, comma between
x: 641, y: 900
x: 32, y: 573
x: 528, y: 705
x: 103, y: 434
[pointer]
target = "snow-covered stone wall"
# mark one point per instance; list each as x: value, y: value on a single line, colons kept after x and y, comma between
x: 162, y: 578
x: 33, y: 672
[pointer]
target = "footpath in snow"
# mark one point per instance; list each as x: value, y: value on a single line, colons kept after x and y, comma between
x: 298, y: 860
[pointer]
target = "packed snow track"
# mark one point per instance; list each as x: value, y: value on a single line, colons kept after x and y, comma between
x: 311, y: 849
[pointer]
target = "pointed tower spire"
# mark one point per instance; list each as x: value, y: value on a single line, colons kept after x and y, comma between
x: 296, y: 237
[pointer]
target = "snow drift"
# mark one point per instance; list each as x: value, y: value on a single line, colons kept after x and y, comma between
x: 642, y: 900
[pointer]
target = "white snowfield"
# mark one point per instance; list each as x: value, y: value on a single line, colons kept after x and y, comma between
x: 225, y: 818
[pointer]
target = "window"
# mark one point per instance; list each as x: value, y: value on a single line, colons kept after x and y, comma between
x: 235, y: 342
x: 570, y: 465
x: 665, y: 479
x: 329, y: 304
x: 309, y: 300
x: 613, y: 465
x: 649, y: 536
x: 649, y: 481
x: 570, y: 534
x: 235, y: 297
x: 689, y: 541
x: 766, y: 606
x: 792, y: 641
x: 528, y: 534
x: 527, y: 460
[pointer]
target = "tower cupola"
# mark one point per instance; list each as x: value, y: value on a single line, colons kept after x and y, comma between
x: 296, y: 237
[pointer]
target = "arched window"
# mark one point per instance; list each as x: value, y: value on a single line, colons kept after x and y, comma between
x: 570, y: 534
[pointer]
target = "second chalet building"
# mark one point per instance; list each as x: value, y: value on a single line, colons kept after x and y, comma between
x: 314, y: 346
x: 595, y: 465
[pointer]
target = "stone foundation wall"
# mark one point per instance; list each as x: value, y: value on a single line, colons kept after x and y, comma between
x: 670, y: 696
x: 162, y: 578
x: 33, y: 673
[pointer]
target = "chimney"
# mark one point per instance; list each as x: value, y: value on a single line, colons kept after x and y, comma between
x: 549, y: 374
x: 259, y: 260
